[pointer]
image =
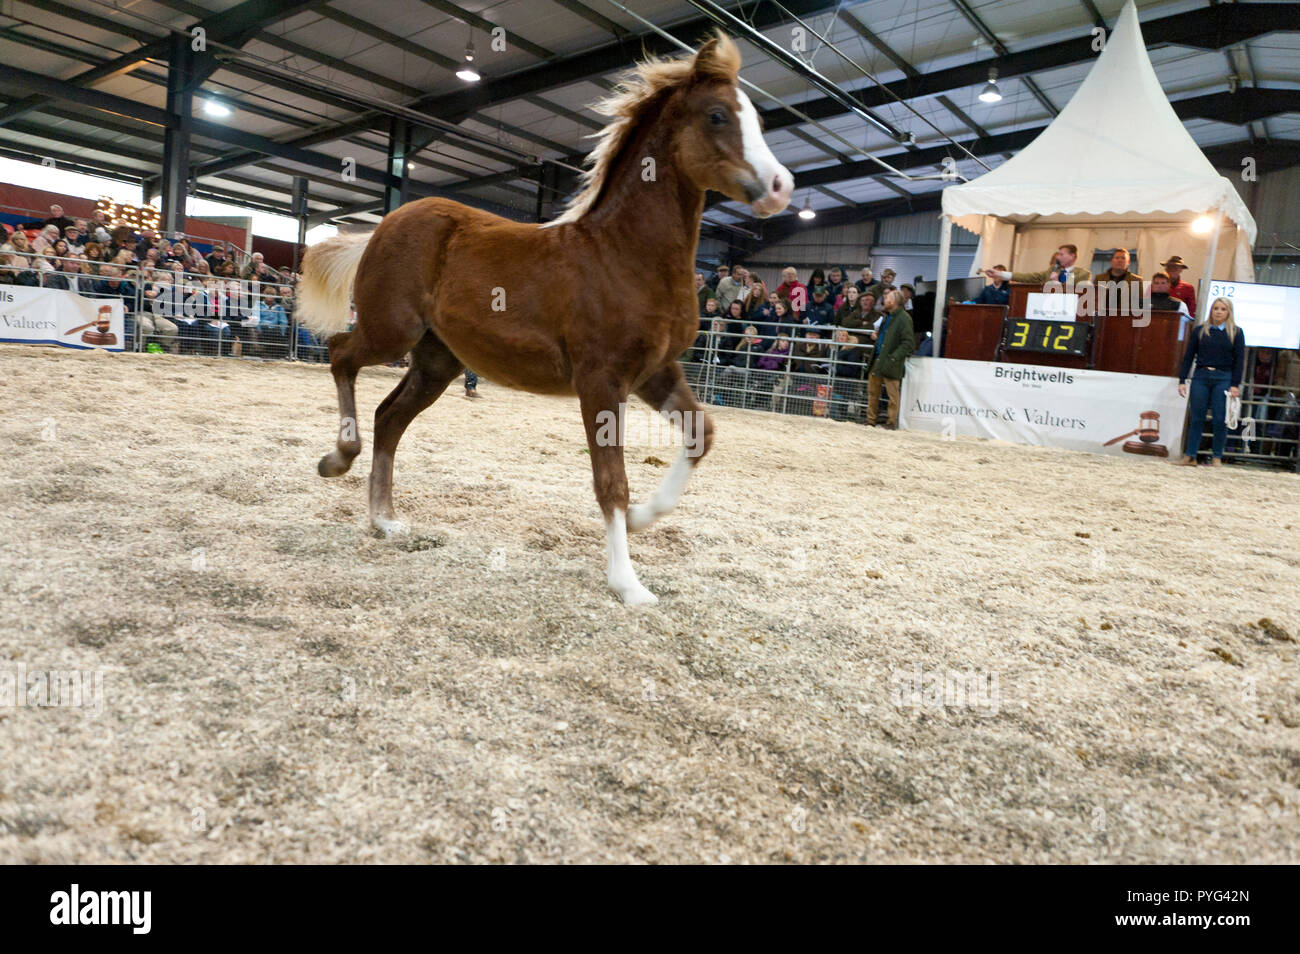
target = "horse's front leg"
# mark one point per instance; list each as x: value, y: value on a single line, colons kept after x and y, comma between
x: 668, y: 393
x: 602, y: 417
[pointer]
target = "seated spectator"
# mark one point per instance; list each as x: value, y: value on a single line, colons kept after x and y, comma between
x: 46, y: 238
x: 17, y: 270
x: 810, y: 354
x: 866, y: 281
x: 268, y: 325
x: 98, y: 230
x: 74, y: 238
x: 996, y: 293
x: 69, y: 275
x: 148, y: 239
x: 94, y: 253
x: 111, y: 284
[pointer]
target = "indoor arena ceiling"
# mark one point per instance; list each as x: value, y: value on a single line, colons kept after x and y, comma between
x: 309, y: 84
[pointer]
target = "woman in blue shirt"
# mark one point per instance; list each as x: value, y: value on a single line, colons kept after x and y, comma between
x: 1219, y: 349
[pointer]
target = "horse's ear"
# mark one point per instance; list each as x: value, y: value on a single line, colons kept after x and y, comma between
x: 718, y: 58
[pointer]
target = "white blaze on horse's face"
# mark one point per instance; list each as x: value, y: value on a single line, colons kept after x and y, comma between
x: 775, y: 183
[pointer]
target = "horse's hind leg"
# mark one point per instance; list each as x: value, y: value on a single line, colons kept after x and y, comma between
x: 433, y: 367
x: 667, y: 392
x: 346, y: 360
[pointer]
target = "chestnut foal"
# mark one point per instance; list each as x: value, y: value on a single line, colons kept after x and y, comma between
x: 550, y: 309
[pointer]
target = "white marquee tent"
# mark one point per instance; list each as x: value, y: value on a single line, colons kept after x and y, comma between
x: 1115, y: 168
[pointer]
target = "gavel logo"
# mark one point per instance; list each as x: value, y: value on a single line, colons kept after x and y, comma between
x: 1147, y: 433
x: 96, y: 332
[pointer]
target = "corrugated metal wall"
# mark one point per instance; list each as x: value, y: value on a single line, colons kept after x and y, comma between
x: 1275, y: 202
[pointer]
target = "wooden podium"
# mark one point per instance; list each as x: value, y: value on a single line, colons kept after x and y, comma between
x: 972, y: 332
x: 1134, y: 344
x: 1124, y: 343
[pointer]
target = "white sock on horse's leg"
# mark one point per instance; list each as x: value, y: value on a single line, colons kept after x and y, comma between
x: 382, y: 517
x: 622, y: 578
x: 665, y: 497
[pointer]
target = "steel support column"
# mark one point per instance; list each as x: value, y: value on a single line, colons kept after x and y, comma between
x: 176, y: 135
x: 399, y: 152
x: 300, y: 211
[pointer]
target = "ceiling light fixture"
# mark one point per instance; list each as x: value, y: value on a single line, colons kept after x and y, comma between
x: 991, y: 93
x: 213, y: 108
x: 807, y: 213
x: 467, y: 72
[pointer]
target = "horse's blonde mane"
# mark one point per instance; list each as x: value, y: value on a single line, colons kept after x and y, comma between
x: 718, y: 58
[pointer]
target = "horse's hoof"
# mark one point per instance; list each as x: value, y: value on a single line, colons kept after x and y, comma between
x: 390, y: 528
x: 333, y: 464
x: 638, y: 595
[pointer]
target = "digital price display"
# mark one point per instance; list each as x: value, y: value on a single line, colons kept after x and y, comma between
x: 1046, y: 337
x: 1269, y: 315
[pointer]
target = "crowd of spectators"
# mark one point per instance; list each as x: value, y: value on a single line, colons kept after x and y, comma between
x: 181, y: 298
x: 818, y: 346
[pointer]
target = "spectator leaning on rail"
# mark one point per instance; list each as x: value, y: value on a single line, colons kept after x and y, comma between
x: 894, y: 343
x: 820, y: 312
x: 1219, y: 349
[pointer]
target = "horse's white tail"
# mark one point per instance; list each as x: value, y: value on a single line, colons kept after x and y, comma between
x: 325, y: 290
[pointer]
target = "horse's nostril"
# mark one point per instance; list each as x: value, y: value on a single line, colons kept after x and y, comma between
x: 776, y: 185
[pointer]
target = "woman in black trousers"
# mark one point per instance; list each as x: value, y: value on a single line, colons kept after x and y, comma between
x: 1219, y: 349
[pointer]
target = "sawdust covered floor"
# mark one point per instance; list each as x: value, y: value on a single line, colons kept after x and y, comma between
x: 281, y: 686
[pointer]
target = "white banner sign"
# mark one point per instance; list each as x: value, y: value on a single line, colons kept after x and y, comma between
x: 54, y: 316
x: 1096, y: 411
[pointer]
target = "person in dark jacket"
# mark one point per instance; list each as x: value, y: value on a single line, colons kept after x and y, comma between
x: 112, y: 285
x: 996, y: 293
x: 835, y: 284
x: 894, y: 343
x: 820, y: 312
x: 1218, y: 348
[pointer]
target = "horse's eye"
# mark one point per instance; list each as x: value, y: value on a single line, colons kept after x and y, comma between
x: 718, y: 118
